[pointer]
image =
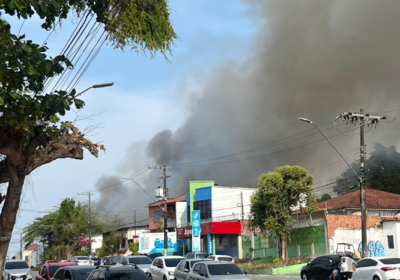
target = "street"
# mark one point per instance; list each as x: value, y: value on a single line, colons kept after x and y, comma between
x: 277, y: 277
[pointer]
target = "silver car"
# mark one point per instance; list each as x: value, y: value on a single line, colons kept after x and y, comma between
x: 184, y: 267
x: 213, y: 270
x: 142, y: 262
x: 16, y: 270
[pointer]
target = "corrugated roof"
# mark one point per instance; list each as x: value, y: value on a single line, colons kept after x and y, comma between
x: 374, y: 199
x: 169, y: 200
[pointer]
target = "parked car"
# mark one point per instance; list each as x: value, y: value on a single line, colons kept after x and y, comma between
x: 377, y: 268
x: 47, y: 270
x: 201, y: 255
x: 321, y: 268
x: 216, y: 270
x: 142, y: 262
x: 221, y: 258
x: 184, y: 267
x: 16, y: 270
x: 163, y: 268
x: 117, y: 273
x: 74, y: 272
x: 82, y: 260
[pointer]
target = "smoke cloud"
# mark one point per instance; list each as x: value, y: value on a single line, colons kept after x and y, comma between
x: 312, y: 59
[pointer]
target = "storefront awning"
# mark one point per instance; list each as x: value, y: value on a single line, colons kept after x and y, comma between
x: 211, y: 228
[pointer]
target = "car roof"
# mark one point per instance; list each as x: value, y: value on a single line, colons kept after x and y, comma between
x: 191, y: 260
x: 78, y: 267
x: 137, y: 256
x: 217, y: 262
x: 224, y: 256
x: 61, y: 264
x: 119, y: 268
x: 171, y: 257
x: 16, y: 261
x: 380, y: 258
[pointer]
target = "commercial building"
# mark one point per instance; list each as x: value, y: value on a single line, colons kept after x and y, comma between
x: 223, y: 211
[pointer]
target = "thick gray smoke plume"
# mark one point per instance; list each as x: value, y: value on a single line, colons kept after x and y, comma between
x: 311, y: 59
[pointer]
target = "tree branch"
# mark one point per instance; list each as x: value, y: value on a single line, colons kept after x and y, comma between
x: 69, y: 145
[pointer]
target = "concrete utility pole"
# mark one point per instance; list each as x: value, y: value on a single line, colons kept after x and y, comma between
x: 164, y: 178
x: 20, y: 246
x: 90, y: 221
x: 363, y: 119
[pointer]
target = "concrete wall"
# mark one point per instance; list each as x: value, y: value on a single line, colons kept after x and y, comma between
x: 391, y: 228
x: 226, y: 202
x: 181, y: 214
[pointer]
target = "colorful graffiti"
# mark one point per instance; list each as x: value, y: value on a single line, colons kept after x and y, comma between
x: 375, y: 249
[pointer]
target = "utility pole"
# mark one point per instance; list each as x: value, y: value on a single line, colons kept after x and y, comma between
x: 134, y: 220
x: 90, y: 221
x: 369, y: 120
x: 20, y: 247
x: 241, y: 200
x: 164, y: 178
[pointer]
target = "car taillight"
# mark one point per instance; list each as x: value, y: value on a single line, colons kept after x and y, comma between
x: 350, y: 275
x: 387, y: 268
x: 77, y: 261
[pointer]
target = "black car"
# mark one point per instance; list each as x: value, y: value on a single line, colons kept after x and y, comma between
x: 321, y: 268
x: 117, y: 273
x: 73, y: 272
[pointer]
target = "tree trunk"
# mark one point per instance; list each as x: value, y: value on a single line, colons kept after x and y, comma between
x: 8, y: 214
x: 282, y: 249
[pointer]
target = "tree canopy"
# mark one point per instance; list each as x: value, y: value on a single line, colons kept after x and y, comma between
x: 279, y: 193
x: 382, y: 172
x: 61, y: 231
x: 31, y: 133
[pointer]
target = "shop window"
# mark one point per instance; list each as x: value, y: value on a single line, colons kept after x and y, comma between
x: 204, y: 207
x: 157, y: 216
x: 390, y: 242
x: 232, y: 240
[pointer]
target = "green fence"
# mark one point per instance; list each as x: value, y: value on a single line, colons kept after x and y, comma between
x: 265, y: 244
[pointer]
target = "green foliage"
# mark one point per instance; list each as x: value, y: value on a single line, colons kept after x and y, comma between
x: 60, y: 229
x: 141, y: 24
x: 278, y: 193
x: 134, y: 247
x: 382, y: 172
x: 324, y: 197
x: 110, y: 244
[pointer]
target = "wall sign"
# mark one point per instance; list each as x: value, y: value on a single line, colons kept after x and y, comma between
x: 196, y: 228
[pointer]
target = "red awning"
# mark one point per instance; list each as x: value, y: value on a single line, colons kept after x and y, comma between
x: 211, y: 228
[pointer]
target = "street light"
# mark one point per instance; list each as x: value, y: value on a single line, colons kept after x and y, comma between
x: 309, y: 121
x: 96, y: 86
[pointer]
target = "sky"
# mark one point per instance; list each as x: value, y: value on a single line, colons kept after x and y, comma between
x: 225, y: 105
x: 143, y: 100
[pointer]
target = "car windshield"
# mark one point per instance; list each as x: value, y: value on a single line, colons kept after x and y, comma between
x: 53, y: 270
x: 140, y: 260
x: 225, y: 259
x: 224, y: 269
x: 172, y: 262
x: 82, y: 258
x: 390, y: 261
x: 16, y: 265
x: 82, y: 274
x: 127, y: 276
x: 201, y: 256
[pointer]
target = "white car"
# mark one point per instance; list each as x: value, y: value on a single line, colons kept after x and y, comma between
x: 81, y: 260
x: 184, y: 267
x: 216, y: 270
x: 16, y: 270
x: 142, y: 262
x: 221, y: 258
x: 163, y: 268
x: 377, y: 268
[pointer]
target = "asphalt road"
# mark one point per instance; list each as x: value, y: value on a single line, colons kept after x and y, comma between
x: 275, y: 277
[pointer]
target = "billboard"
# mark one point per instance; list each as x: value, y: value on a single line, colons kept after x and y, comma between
x: 150, y: 243
x: 196, y: 231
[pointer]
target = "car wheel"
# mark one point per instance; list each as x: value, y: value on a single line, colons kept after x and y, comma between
x: 304, y: 276
x: 376, y: 278
x: 150, y: 276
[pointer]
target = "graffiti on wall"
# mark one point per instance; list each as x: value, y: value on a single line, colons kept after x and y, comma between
x: 375, y: 249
